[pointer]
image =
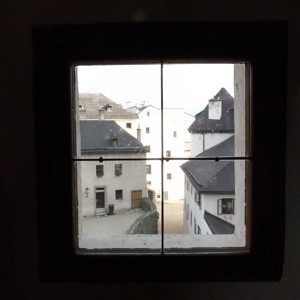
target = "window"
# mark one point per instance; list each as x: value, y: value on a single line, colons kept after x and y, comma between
x: 262, y: 258
x: 118, y: 169
x: 147, y: 148
x: 225, y: 206
x: 119, y: 194
x: 197, y: 198
x: 99, y: 170
x: 147, y: 130
x: 169, y: 176
x: 174, y: 134
x: 148, y: 113
x: 148, y: 169
x: 198, y: 229
x: 128, y: 125
x: 168, y: 153
x: 187, y: 212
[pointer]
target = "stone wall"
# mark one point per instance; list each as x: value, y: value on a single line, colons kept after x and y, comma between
x: 146, y: 224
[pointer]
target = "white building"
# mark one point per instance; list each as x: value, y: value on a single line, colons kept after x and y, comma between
x: 211, y: 205
x: 214, y: 124
x: 110, y: 185
x: 176, y: 144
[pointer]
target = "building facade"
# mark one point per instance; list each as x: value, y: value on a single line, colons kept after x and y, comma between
x: 111, y: 184
x: 210, y: 205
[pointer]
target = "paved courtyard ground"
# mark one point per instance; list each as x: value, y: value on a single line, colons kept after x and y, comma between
x: 173, y: 217
x: 112, y: 224
x: 119, y: 223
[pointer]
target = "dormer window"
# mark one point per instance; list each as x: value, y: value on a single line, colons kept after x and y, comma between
x: 115, y: 142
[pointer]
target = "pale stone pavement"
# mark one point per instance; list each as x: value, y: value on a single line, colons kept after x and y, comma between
x: 119, y: 223
x: 173, y: 217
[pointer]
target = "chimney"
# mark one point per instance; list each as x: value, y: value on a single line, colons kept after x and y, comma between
x: 82, y: 113
x: 215, y: 108
x: 138, y: 134
x: 101, y: 114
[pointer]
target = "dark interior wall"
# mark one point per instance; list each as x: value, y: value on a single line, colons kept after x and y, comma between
x: 18, y: 238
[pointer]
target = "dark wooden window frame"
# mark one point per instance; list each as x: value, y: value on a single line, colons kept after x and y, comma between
x: 58, y: 48
x: 118, y: 194
x: 118, y: 169
x: 220, y: 206
x: 99, y: 170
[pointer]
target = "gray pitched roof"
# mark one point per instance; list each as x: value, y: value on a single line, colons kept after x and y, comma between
x: 209, y: 176
x: 93, y: 102
x: 217, y: 225
x: 226, y: 124
x: 97, y: 137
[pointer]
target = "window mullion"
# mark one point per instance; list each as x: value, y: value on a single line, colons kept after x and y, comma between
x: 162, y: 151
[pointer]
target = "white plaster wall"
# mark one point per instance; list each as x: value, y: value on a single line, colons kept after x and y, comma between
x: 175, y: 119
x: 210, y: 139
x: 196, y: 144
x: 133, y: 178
x: 197, y: 212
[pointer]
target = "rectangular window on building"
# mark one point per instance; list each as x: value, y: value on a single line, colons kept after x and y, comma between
x: 118, y: 169
x: 174, y: 134
x: 128, y: 125
x: 168, y: 153
x: 225, y: 206
x: 119, y: 194
x: 148, y: 169
x: 169, y: 176
x: 147, y: 130
x: 148, y: 148
x: 99, y: 170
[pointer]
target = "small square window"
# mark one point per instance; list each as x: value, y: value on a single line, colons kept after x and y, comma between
x: 168, y: 153
x: 225, y: 206
x: 147, y: 148
x: 128, y: 125
x: 169, y: 176
x: 119, y: 194
x: 99, y: 170
x: 118, y: 169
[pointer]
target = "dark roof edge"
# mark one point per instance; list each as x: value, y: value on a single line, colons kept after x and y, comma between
x: 219, y: 220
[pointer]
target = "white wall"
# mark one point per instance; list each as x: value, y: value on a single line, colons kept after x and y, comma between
x: 210, y: 139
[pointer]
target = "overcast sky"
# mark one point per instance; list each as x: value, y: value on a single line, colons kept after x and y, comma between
x: 188, y: 86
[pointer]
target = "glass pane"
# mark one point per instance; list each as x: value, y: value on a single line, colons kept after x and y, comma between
x: 212, y: 211
x: 116, y: 207
x: 118, y: 110
x: 203, y: 107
